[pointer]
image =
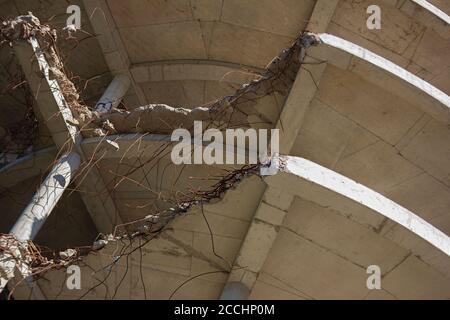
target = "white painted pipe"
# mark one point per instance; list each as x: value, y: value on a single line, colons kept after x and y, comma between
x: 114, y: 94
x: 45, y: 199
x: 235, y: 291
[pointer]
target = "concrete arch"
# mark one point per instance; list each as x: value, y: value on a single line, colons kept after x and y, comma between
x: 319, y: 184
x: 417, y: 91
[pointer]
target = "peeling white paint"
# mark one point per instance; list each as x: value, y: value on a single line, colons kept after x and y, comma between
x: 331, y: 180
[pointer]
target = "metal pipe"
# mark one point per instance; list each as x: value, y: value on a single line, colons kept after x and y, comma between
x: 114, y: 94
x: 235, y: 291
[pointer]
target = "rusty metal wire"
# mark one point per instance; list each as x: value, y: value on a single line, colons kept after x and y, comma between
x: 228, y: 112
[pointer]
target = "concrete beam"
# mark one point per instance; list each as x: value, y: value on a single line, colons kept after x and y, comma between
x: 47, y: 196
x: 60, y: 122
x: 114, y: 94
x: 141, y: 145
x: 433, y: 10
x: 262, y: 234
x: 386, y: 74
x: 123, y: 145
x: 263, y: 230
x: 310, y: 181
x: 26, y: 167
x: 258, y: 241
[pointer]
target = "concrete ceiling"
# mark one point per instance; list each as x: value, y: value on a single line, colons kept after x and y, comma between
x: 359, y: 123
x: 231, y: 31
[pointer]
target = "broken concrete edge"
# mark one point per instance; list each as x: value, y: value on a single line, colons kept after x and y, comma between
x: 311, y: 172
x: 230, y: 111
x: 149, y: 226
x: 296, y: 167
x: 31, y: 39
x: 441, y: 109
x: 433, y: 10
x: 255, y: 249
x: 228, y: 101
x: 235, y: 291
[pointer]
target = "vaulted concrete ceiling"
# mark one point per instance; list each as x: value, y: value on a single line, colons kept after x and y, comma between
x: 231, y: 31
x: 359, y: 121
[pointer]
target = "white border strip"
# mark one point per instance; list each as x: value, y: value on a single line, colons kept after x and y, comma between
x: 27, y: 166
x: 433, y: 9
x: 365, y: 196
x: 388, y: 66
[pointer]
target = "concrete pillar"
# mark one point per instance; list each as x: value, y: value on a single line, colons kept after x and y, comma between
x: 45, y: 199
x: 235, y: 291
x: 114, y: 94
